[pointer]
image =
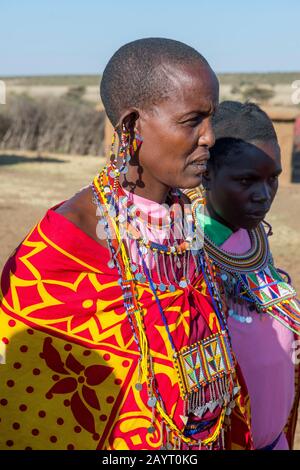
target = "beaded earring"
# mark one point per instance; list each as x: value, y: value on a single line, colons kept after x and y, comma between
x: 112, y: 153
x: 136, y: 143
x: 126, y: 151
x: 123, y: 152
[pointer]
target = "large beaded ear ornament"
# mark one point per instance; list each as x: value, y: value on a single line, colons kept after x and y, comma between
x: 126, y: 150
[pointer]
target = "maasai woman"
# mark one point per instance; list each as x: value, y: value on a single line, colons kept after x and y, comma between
x: 264, y: 315
x: 114, y: 330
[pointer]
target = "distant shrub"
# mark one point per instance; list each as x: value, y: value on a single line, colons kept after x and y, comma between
x: 235, y: 90
x: 56, y: 125
x: 75, y: 93
x: 5, y: 124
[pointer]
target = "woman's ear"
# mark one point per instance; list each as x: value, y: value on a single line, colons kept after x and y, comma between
x: 128, y: 119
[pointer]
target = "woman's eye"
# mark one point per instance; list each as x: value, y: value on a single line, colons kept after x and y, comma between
x: 245, y: 181
x: 193, y: 121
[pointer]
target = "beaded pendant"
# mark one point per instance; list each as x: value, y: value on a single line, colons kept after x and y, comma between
x: 208, y: 362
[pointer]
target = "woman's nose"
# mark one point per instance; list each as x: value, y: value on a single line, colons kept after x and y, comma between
x: 264, y: 194
x: 206, y: 134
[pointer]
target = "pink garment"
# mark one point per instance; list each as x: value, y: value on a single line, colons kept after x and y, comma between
x: 158, y: 235
x: 264, y: 351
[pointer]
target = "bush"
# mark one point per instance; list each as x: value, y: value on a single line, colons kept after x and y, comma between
x: 75, y: 93
x: 258, y: 94
x: 53, y: 125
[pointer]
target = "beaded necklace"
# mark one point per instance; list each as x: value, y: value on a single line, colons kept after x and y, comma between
x: 255, y: 258
x: 251, y: 280
x: 178, y: 254
x: 191, y: 379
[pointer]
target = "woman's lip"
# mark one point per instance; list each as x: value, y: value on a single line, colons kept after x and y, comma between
x: 199, y: 167
x: 256, y: 215
x: 200, y: 164
x: 201, y: 159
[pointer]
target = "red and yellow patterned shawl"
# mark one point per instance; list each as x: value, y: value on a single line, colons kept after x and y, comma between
x: 71, y: 359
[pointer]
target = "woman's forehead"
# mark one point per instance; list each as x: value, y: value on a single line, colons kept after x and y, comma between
x: 252, y: 156
x: 185, y: 76
x: 192, y: 88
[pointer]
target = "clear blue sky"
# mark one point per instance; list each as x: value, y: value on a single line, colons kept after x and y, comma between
x: 40, y: 37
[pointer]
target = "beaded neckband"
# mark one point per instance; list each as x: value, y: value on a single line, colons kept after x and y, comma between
x: 256, y: 258
x: 253, y: 280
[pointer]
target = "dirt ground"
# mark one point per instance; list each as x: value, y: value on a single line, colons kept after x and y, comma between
x: 30, y: 184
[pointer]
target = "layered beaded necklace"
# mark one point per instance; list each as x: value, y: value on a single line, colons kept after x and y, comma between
x: 167, y: 268
x: 170, y: 264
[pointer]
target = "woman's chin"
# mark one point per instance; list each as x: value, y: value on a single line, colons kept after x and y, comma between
x: 251, y: 224
x: 191, y: 182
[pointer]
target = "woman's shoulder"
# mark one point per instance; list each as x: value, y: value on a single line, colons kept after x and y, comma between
x: 81, y: 211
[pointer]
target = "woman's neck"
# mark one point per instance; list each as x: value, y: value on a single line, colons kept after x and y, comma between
x: 214, y: 215
x: 153, y: 190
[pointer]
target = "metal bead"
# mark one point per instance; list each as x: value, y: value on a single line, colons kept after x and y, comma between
x: 162, y: 287
x: 172, y: 288
x: 151, y: 402
x: 138, y: 387
x: 122, y: 218
x: 139, y: 276
x: 111, y: 264
x: 183, y: 284
x: 151, y: 429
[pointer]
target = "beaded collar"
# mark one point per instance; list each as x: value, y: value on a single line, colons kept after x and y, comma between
x: 251, y: 279
x: 255, y: 259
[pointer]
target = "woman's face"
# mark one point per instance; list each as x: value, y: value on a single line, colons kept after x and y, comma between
x: 242, y: 190
x: 177, y: 132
